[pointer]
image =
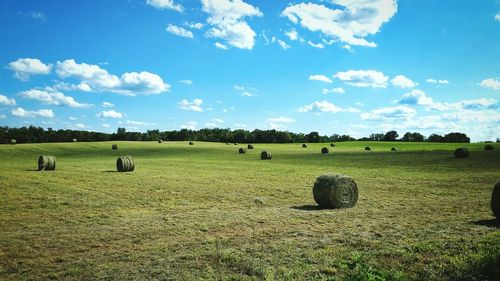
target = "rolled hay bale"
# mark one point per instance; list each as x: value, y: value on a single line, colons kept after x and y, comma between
x: 394, y: 149
x: 75, y: 140
x: 332, y: 191
x: 461, y: 152
x: 489, y: 147
x: 227, y: 143
x: 495, y: 200
x: 235, y: 143
x: 266, y: 155
x: 325, y: 150
x: 160, y: 141
x: 304, y: 145
x: 47, y: 163
x: 332, y: 144
x: 114, y: 146
x: 13, y: 141
x: 250, y: 146
x: 191, y: 143
x: 125, y: 164
x: 242, y: 150
x: 368, y: 148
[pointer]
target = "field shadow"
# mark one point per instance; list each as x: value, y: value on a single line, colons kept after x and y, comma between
x: 32, y: 170
x: 495, y: 223
x: 307, y: 208
x: 109, y: 171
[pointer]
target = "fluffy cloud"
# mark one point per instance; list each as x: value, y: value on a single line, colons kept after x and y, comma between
x: 62, y: 86
x: 52, y: 98
x: 497, y: 17
x: 179, y: 31
x: 165, y: 4
x: 292, y: 34
x: 6, y: 101
x: 106, y: 104
x: 226, y: 18
x: 194, y: 25
x: 325, y: 106
x: 316, y: 45
x: 322, y: 78
x: 283, y: 44
x: 191, y: 125
x: 491, y: 83
x: 363, y: 78
x: 37, y: 15
x: 110, y: 114
x: 137, y: 124
x: 389, y: 113
x: 24, y: 68
x: 248, y: 94
x: 194, y: 105
x: 219, y: 45
x: 337, y: 90
x: 187, y: 82
x: 418, y: 97
x: 20, y: 112
x: 436, y: 81
x: 402, y: 81
x: 281, y: 119
x: 357, y: 19
x: 98, y: 79
x: 105, y: 125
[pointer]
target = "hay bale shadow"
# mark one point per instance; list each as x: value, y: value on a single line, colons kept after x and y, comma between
x: 32, y: 170
x: 109, y: 171
x: 307, y: 208
x: 494, y: 223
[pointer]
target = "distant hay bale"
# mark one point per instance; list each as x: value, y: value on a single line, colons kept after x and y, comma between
x: 114, y: 146
x: 495, y: 200
x: 332, y: 144
x: 227, y: 143
x: 394, y: 149
x: 304, y: 145
x: 235, y: 143
x: 250, y: 146
x: 489, y: 147
x: 47, y: 163
x: 191, y: 143
x: 75, y: 140
x: 13, y: 141
x: 332, y: 191
x: 160, y: 141
x: 125, y: 164
x: 266, y: 155
x: 461, y: 152
x: 324, y: 150
x: 368, y: 148
x: 242, y: 150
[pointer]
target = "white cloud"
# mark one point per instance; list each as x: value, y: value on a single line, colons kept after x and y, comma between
x: 105, y: 125
x: 37, y: 15
x: 79, y: 126
x: 350, y: 25
x: 220, y: 46
x: 218, y: 120
x: 319, y: 77
x: 337, y: 90
x: 98, y: 79
x: 325, y: 106
x: 187, y: 82
x: 138, y: 123
x: 194, y: 25
x: 248, y: 94
x: 24, y: 68
x: 63, y: 86
x: 497, y: 17
x: 292, y: 34
x: 283, y: 44
x: 110, y: 114
x: 240, y: 126
x: 437, y: 81
x: 194, y: 105
x: 179, y: 31
x: 6, y: 101
x: 318, y: 45
x: 165, y: 4
x: 52, y: 98
x: 20, y: 112
x: 191, y: 125
x: 106, y: 104
x: 363, y: 78
x: 402, y: 81
x: 226, y: 18
x: 491, y: 83
x: 239, y: 88
x: 417, y: 97
x: 389, y: 113
x: 72, y: 118
x: 281, y: 119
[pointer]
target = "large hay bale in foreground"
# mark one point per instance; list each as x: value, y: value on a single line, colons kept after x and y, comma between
x: 266, y: 155
x: 114, y: 146
x: 335, y: 191
x: 191, y: 143
x: 242, y: 150
x: 46, y: 163
x: 461, y: 152
x: 125, y: 164
x: 304, y: 145
x: 250, y: 146
x: 394, y: 149
x: 495, y: 200
x: 489, y: 147
x: 368, y: 148
x: 324, y: 150
x: 13, y: 141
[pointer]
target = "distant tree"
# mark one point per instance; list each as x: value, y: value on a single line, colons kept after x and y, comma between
x: 435, y: 138
x: 390, y: 136
x: 376, y: 137
x: 312, y: 137
x: 413, y: 137
x: 456, y: 137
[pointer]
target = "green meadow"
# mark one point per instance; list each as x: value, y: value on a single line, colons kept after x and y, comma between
x: 205, y: 212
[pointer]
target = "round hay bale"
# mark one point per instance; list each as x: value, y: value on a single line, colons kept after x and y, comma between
x: 304, y: 145
x: 250, y: 146
x: 191, y: 143
x: 325, y: 150
x: 242, y: 150
x: 114, y: 146
x: 13, y: 141
x: 368, y: 148
x: 125, y: 164
x: 160, y: 141
x: 489, y: 147
x: 495, y: 200
x: 235, y: 143
x: 335, y: 191
x: 394, y: 149
x: 461, y: 152
x: 227, y: 143
x: 266, y: 155
x: 47, y: 163
x: 75, y: 140
x: 333, y: 145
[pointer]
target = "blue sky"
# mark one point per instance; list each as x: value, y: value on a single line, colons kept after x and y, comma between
x: 334, y: 66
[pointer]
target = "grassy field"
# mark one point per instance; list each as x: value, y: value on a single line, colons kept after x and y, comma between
x: 204, y: 212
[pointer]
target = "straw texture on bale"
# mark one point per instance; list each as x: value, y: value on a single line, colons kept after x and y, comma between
x: 125, y: 164
x: 394, y: 149
x: 47, y: 163
x: 266, y: 155
x: 250, y: 146
x: 114, y: 146
x: 13, y: 141
x: 332, y: 191
x: 488, y: 147
x: 368, y: 148
x: 304, y: 145
x: 242, y: 150
x: 191, y: 143
x: 160, y: 141
x: 495, y: 200
x: 461, y: 152
x: 324, y: 150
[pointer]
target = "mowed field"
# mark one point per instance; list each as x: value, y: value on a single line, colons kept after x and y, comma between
x: 204, y: 212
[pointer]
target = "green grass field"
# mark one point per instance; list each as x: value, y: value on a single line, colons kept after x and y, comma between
x: 204, y: 212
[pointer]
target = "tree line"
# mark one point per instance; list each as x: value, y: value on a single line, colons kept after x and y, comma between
x: 33, y: 134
